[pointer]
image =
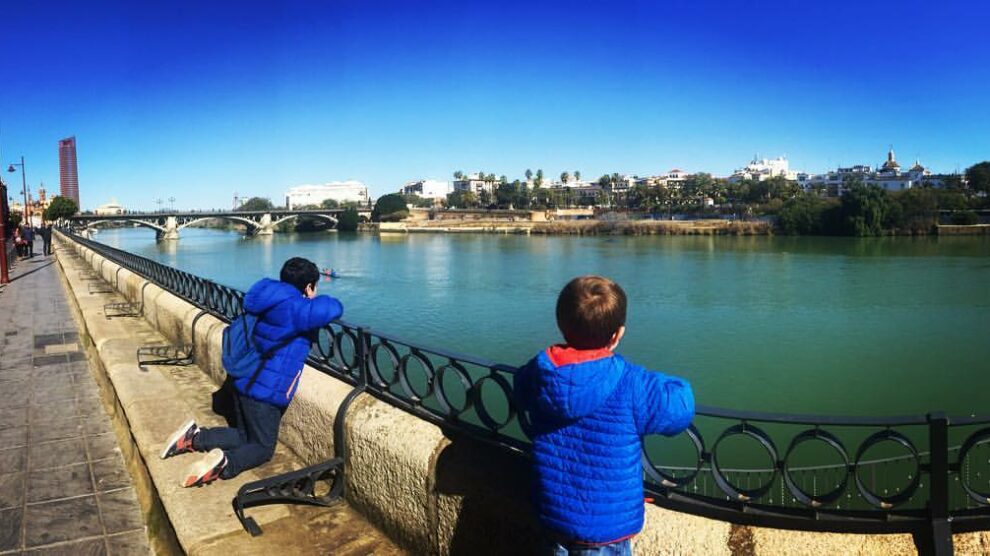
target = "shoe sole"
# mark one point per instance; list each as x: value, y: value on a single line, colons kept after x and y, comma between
x: 202, y: 467
x: 176, y: 436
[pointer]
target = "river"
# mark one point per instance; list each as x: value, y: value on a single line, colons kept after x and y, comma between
x: 874, y: 326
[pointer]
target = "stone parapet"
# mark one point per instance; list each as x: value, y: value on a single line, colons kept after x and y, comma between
x: 438, y: 493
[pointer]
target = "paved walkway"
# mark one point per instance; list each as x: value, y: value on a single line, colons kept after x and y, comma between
x: 63, y: 485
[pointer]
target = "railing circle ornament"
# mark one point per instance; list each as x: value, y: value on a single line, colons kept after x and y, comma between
x: 978, y: 437
x: 407, y: 386
x: 811, y: 499
x: 352, y: 365
x: 443, y: 396
x: 670, y: 481
x: 376, y: 372
x: 480, y: 405
x: 734, y: 492
x: 888, y: 502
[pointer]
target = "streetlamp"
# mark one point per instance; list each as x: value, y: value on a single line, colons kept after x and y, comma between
x: 27, y: 210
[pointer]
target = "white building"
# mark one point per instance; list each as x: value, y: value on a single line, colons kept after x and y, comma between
x: 760, y: 169
x: 350, y: 191
x: 474, y: 183
x: 109, y: 209
x: 427, y: 189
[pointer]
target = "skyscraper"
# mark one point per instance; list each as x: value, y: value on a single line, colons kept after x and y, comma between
x: 67, y: 174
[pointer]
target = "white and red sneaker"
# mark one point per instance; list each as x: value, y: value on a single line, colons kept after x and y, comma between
x: 181, y: 442
x: 206, y: 470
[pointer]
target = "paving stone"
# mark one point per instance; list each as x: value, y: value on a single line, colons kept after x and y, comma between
x: 61, y: 520
x: 88, y: 547
x: 57, y: 454
x: 11, y: 522
x: 55, y: 430
x: 43, y: 413
x: 60, y: 482
x: 102, y: 446
x: 15, y: 394
x: 48, y: 360
x: 120, y: 511
x: 126, y: 544
x: 11, y: 490
x: 13, y: 460
x: 96, y: 424
x: 110, y: 474
x: 13, y: 437
x: 13, y: 417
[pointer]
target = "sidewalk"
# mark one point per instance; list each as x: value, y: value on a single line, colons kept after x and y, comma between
x: 63, y: 485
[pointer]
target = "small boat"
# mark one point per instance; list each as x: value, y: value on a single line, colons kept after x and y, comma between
x: 329, y: 272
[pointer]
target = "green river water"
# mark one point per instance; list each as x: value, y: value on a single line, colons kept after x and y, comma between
x: 876, y: 326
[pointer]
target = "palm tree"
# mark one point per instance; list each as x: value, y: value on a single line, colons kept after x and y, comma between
x: 565, y: 177
x: 458, y: 175
x: 577, y: 175
x: 529, y: 174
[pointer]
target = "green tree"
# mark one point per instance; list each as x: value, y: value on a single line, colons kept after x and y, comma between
x: 462, y: 199
x: 577, y: 175
x: 529, y: 174
x: 387, y: 206
x: 256, y: 204
x: 329, y: 204
x: 565, y: 176
x: 539, y: 177
x: 918, y: 209
x: 458, y: 175
x: 348, y: 220
x: 866, y: 210
x: 14, y: 221
x: 978, y: 177
x: 804, y: 214
x: 61, y: 207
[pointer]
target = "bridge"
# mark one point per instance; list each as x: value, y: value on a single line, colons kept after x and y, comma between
x: 168, y: 224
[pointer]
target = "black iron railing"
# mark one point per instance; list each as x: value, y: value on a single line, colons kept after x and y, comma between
x: 928, y: 475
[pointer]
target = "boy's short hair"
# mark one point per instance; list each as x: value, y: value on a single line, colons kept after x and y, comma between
x: 590, y: 310
x: 300, y: 273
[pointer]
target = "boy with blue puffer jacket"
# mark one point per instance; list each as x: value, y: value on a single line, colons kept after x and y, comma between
x: 589, y: 409
x: 288, y: 310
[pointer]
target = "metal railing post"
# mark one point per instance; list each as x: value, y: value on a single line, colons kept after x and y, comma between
x: 940, y: 529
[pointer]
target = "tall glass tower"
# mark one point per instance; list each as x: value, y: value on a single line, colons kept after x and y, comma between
x: 67, y: 173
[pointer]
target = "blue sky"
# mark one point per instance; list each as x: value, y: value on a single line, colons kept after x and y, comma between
x: 198, y: 100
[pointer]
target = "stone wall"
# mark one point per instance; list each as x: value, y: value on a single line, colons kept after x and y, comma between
x: 436, y: 493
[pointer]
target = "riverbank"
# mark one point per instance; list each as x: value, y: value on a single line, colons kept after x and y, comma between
x: 583, y: 227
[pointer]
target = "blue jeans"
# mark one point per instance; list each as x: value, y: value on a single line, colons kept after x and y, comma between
x: 621, y: 548
x: 251, y: 442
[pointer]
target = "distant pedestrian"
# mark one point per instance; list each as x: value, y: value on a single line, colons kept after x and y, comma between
x: 287, y: 311
x: 589, y: 409
x: 46, y: 237
x: 28, y: 235
x: 19, y: 243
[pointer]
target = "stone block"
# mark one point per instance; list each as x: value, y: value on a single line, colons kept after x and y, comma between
x: 308, y: 424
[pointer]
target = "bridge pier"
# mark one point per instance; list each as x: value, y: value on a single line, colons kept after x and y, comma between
x: 171, y: 229
x: 265, y: 227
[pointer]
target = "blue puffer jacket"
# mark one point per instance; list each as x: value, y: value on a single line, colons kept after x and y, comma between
x: 285, y: 313
x: 589, y: 410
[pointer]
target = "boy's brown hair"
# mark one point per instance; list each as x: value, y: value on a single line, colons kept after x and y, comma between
x: 590, y: 310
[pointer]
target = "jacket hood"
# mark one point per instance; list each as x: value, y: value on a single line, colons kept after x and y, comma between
x: 570, y: 390
x: 267, y: 293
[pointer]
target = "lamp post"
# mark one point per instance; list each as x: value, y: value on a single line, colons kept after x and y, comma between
x: 24, y: 189
x: 4, y: 278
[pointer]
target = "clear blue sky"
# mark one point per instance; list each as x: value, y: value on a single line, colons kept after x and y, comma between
x: 197, y: 100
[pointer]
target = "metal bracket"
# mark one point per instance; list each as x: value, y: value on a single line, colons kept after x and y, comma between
x: 297, y: 487
x: 126, y: 309
x: 181, y: 355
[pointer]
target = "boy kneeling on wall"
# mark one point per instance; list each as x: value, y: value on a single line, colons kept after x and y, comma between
x: 287, y: 310
x: 589, y: 409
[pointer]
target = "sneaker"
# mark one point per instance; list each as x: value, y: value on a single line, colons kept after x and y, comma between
x: 181, y: 441
x: 206, y: 470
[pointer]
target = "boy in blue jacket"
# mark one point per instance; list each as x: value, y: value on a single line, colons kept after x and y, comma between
x: 287, y: 308
x: 589, y: 409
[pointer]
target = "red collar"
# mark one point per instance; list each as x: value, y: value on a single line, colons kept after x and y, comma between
x: 561, y: 355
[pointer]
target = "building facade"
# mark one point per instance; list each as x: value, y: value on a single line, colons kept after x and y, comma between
x: 427, y: 189
x: 350, y: 191
x: 68, y: 174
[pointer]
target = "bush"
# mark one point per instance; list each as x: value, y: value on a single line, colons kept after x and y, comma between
x: 804, y: 214
x: 60, y: 207
x: 967, y: 218
x: 388, y: 204
x: 396, y: 216
x: 348, y: 220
